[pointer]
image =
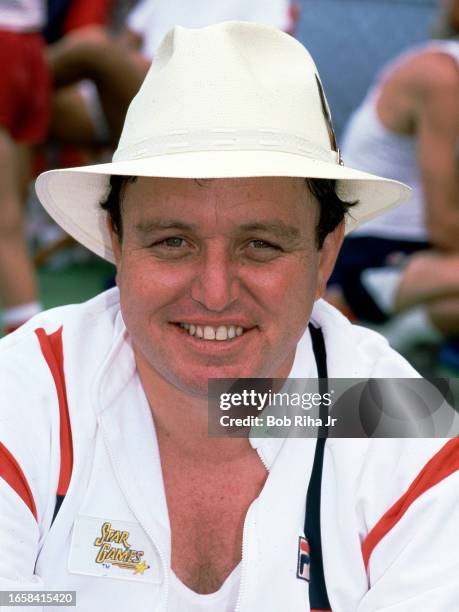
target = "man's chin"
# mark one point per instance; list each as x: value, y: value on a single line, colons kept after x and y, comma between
x: 197, y: 383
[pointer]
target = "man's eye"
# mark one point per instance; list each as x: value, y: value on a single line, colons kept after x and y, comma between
x: 172, y: 247
x: 262, y: 250
x: 174, y: 242
x: 262, y: 244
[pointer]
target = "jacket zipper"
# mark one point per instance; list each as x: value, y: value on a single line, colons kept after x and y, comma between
x: 243, y: 573
x: 263, y: 459
x: 245, y: 530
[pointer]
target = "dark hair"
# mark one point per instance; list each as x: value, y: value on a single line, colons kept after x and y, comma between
x: 332, y: 208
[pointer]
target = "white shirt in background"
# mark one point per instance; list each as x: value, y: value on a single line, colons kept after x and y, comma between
x: 152, y: 19
x: 22, y: 15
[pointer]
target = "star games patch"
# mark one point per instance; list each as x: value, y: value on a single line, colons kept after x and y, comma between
x: 113, y: 549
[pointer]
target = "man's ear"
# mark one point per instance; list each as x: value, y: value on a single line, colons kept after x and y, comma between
x: 327, y: 257
x: 115, y: 241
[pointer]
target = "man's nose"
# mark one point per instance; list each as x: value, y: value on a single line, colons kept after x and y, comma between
x: 216, y: 284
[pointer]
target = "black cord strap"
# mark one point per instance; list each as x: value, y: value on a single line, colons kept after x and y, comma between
x: 318, y: 596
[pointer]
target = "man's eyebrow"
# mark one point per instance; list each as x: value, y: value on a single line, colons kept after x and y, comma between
x: 278, y: 229
x: 149, y: 226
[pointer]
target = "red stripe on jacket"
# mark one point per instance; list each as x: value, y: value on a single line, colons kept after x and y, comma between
x: 441, y: 465
x: 51, y: 347
x: 11, y: 472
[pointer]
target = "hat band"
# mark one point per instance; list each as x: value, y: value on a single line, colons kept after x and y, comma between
x: 186, y: 141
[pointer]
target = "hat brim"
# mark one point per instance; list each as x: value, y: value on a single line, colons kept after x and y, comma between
x: 72, y: 196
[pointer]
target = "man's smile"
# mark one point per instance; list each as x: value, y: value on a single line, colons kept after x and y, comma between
x: 219, y: 334
x: 210, y: 332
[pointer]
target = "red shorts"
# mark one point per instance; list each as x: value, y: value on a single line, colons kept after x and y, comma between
x: 25, y: 87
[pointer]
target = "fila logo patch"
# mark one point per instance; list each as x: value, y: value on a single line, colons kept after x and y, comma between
x: 303, y: 559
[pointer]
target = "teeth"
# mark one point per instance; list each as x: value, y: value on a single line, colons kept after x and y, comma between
x: 207, y: 332
x: 222, y: 333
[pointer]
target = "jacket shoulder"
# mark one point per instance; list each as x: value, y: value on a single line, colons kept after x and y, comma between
x: 46, y: 371
x: 357, y: 352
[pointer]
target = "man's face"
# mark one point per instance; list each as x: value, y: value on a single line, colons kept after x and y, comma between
x: 232, y: 260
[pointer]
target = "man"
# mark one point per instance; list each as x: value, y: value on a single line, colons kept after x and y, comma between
x: 407, y: 128
x: 218, y: 277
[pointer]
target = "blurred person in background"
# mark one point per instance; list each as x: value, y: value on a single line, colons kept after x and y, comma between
x: 447, y: 23
x: 151, y: 19
x: 117, y: 65
x: 23, y: 123
x: 68, y: 19
x: 83, y: 121
x: 93, y: 77
x: 65, y: 16
x: 407, y: 128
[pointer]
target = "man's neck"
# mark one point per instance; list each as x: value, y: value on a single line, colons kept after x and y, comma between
x: 181, y: 421
x: 181, y: 418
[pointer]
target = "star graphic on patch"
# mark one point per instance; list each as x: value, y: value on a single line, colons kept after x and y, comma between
x: 140, y: 568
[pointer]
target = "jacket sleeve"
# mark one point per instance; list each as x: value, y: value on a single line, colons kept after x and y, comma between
x: 411, y: 553
x: 29, y: 459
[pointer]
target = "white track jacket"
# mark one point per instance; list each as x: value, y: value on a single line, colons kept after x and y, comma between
x: 389, y: 512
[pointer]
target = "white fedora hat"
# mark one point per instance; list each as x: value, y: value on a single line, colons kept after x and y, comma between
x: 231, y: 100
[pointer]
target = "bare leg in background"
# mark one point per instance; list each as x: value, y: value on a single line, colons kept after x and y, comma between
x: 17, y: 278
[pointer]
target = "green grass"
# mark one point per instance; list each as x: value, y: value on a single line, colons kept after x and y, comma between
x: 74, y: 283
